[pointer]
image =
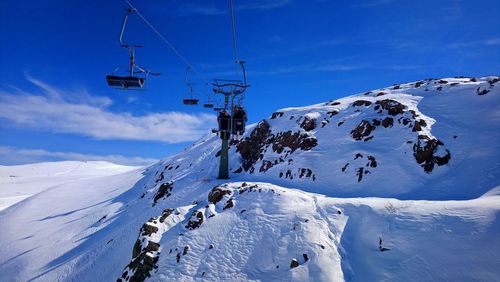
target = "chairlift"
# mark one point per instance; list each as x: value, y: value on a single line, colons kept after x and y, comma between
x: 239, y: 120
x: 137, y: 75
x: 209, y: 104
x: 191, y: 101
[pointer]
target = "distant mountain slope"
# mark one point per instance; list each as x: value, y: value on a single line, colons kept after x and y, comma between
x: 297, y: 207
x: 21, y: 181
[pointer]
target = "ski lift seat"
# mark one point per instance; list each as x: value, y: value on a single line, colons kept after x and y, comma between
x: 190, y: 101
x: 224, y: 121
x: 208, y: 106
x: 125, y: 81
x: 239, y: 120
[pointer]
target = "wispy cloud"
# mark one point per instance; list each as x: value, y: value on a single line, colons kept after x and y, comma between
x: 317, y: 67
x: 371, y: 3
x: 212, y: 10
x: 485, y: 42
x: 13, y: 156
x: 54, y: 110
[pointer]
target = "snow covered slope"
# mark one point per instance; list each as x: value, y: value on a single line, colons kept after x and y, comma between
x: 22, y: 181
x: 311, y: 197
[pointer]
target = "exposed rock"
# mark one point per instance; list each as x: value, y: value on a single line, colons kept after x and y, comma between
x: 164, y: 190
x: 308, y: 123
x: 166, y: 213
x: 293, y: 141
x: 345, y: 167
x: 359, y: 173
x: 482, y: 92
x: 137, y: 249
x: 229, y: 204
x: 152, y: 247
x: 392, y: 107
x: 373, y: 162
x: 359, y: 103
x: 217, y: 194
x: 265, y: 166
x: 277, y: 115
x: 195, y: 220
x: 294, y: 263
x: 387, y: 122
x: 306, y: 258
x: 252, y: 147
x: 418, y: 125
x: 425, y: 150
x: 148, y: 229
x: 332, y: 113
x: 185, y: 251
x: 363, y: 129
x: 324, y: 123
x: 305, y: 172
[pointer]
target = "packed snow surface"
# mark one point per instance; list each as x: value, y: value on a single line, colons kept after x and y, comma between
x: 400, y: 183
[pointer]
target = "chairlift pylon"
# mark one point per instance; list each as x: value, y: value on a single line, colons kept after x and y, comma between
x: 137, y: 75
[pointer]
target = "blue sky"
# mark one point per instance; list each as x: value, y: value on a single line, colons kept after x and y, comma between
x: 55, y: 104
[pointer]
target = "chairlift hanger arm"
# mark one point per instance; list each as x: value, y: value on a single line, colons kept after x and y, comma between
x: 128, y: 11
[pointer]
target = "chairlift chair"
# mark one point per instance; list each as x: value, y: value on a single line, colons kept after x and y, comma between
x: 209, y: 104
x: 191, y: 100
x: 239, y: 120
x: 137, y: 76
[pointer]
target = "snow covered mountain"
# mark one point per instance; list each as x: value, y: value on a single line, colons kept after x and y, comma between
x: 399, y: 183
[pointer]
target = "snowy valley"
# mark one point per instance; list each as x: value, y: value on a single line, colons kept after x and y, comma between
x: 399, y: 183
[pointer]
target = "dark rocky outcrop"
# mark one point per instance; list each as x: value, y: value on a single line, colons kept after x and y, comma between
x: 261, y: 139
x: 308, y: 124
x: 251, y: 147
x: 363, y: 130
x: 360, y: 103
x: 392, y: 107
x: 277, y: 115
x: 166, y: 213
x: 424, y: 151
x: 372, y: 161
x: 148, y: 229
x: 229, y: 204
x: 164, y: 190
x: 195, y: 220
x: 217, y: 194
x: 387, y: 122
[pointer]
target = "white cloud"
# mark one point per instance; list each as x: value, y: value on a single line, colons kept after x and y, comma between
x: 77, y: 112
x: 13, y: 156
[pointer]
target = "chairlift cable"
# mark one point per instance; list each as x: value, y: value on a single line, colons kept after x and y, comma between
x: 165, y: 40
x: 234, y: 31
